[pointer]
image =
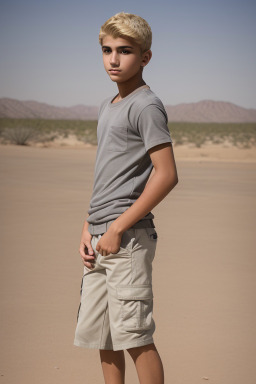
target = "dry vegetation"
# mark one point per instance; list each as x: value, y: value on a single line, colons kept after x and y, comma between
x: 238, y: 134
x: 26, y: 131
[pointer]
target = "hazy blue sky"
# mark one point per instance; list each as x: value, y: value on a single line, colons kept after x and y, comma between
x: 202, y: 49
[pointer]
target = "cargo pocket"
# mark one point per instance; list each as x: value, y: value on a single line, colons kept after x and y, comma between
x: 117, y: 139
x: 136, y: 306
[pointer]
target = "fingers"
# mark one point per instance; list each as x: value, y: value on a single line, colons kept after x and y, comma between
x: 102, y: 252
x: 84, y: 254
x: 89, y: 265
x: 86, y: 249
x: 87, y: 255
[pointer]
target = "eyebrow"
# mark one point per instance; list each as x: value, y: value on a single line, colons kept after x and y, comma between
x: 121, y: 47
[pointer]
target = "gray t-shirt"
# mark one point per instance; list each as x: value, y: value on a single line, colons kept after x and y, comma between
x: 126, y: 131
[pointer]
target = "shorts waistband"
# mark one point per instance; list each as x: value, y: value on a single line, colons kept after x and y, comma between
x: 98, y: 229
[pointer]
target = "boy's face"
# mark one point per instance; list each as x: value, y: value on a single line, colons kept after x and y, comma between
x: 123, y: 58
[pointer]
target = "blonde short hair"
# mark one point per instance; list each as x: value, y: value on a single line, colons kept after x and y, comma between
x: 130, y: 26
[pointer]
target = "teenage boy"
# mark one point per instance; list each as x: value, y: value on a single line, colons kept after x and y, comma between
x: 119, y: 239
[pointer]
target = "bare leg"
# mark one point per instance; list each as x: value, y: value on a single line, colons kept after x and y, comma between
x: 113, y: 366
x: 148, y: 364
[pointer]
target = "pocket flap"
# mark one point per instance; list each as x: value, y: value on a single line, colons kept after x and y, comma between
x: 134, y: 292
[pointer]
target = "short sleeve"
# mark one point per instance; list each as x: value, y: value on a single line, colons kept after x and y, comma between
x: 152, y: 126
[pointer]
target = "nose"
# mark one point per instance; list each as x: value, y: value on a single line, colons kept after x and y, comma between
x: 114, y: 61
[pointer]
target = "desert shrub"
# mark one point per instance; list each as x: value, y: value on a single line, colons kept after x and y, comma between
x: 48, y: 130
x: 19, y: 135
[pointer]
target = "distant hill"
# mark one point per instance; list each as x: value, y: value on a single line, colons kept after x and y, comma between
x: 208, y: 111
x: 13, y: 108
x: 202, y: 111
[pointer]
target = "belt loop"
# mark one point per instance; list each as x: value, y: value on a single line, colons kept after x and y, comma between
x: 152, y: 223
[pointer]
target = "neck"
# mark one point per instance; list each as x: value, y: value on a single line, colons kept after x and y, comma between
x: 128, y: 87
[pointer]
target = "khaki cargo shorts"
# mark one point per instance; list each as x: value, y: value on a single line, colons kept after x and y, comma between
x: 116, y: 307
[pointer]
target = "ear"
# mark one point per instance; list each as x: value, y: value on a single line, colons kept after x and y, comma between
x: 146, y: 56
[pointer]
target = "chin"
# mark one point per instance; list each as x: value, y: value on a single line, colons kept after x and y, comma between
x: 115, y: 80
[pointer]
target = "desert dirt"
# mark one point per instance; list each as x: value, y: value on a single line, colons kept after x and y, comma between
x: 204, y: 269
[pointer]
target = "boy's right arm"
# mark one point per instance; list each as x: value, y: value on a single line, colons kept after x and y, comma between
x: 85, y: 249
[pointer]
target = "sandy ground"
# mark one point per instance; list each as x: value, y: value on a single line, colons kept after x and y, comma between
x: 204, y: 269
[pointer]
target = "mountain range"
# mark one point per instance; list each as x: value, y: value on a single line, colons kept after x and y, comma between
x: 202, y: 111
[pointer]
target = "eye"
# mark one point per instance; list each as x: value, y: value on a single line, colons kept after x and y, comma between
x: 106, y: 50
x: 125, y: 52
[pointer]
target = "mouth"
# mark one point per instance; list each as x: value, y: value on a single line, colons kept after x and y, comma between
x: 114, y: 71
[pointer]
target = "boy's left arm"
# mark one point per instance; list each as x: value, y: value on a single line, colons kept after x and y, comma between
x: 159, y: 185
